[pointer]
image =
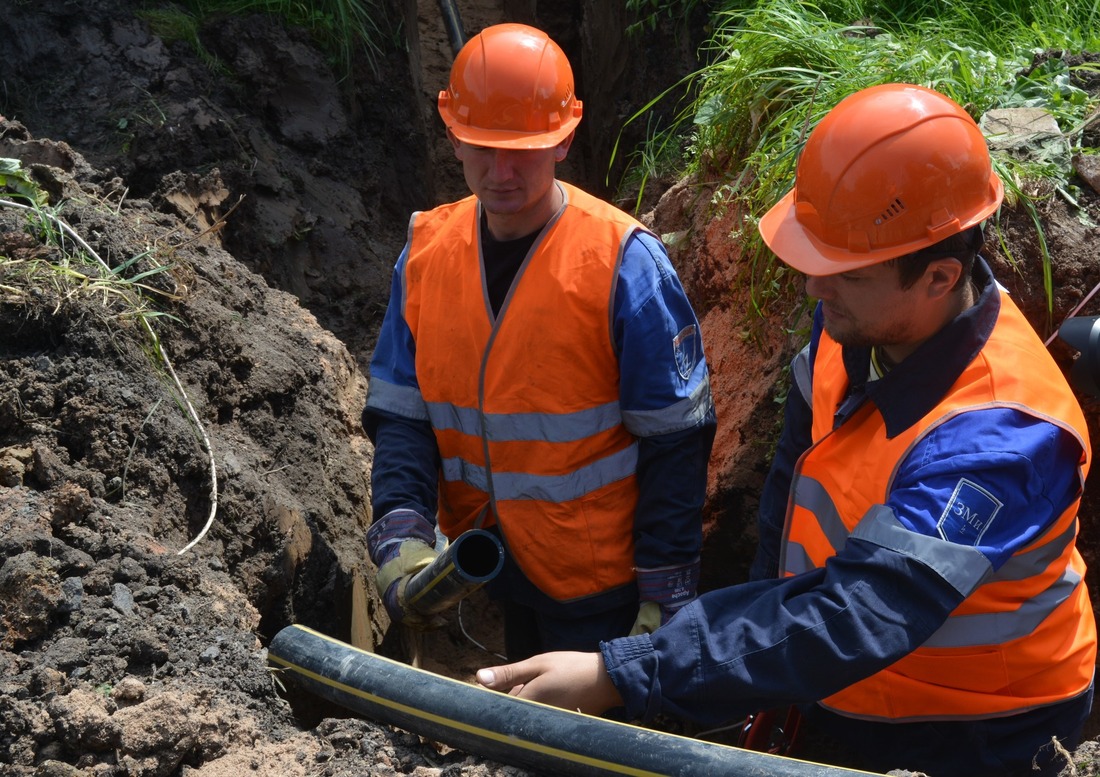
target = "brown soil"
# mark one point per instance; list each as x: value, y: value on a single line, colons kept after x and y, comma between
x: 277, y: 191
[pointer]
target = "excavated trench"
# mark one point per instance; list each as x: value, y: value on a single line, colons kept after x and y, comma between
x: 595, y: 41
x: 594, y: 37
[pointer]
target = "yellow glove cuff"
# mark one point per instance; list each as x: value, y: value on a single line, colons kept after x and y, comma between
x: 649, y: 619
x: 411, y: 557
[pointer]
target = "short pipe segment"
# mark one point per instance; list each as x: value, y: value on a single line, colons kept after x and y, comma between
x: 474, y: 558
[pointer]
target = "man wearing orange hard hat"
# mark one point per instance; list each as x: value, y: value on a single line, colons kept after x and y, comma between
x: 917, y: 592
x: 539, y: 375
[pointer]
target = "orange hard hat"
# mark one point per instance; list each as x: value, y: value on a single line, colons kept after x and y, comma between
x: 511, y: 87
x: 890, y: 170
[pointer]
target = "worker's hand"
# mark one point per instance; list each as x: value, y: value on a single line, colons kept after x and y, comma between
x: 651, y: 616
x: 393, y: 577
x: 394, y: 601
x: 663, y: 591
x: 572, y: 681
x: 401, y: 543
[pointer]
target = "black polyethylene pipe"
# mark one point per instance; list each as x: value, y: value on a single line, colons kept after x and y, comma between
x: 1083, y: 334
x: 473, y: 559
x: 507, y: 729
x: 453, y: 22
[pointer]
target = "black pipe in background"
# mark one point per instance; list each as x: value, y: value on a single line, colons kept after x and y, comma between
x: 507, y: 729
x: 453, y: 22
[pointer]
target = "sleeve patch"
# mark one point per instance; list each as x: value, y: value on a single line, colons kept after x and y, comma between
x: 969, y: 513
x: 685, y: 350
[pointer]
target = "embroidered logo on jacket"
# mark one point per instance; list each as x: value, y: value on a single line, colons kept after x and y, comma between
x: 685, y: 350
x: 969, y: 512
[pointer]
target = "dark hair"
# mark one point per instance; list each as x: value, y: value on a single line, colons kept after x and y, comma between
x: 963, y: 246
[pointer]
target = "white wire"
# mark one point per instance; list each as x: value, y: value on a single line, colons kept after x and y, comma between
x: 466, y: 634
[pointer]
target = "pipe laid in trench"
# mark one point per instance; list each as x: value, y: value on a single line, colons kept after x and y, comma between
x: 453, y: 22
x: 507, y: 729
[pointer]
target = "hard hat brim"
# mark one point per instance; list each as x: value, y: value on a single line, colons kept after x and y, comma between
x: 798, y: 248
x: 520, y: 141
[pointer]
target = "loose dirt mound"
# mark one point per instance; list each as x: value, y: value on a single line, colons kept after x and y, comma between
x: 120, y: 654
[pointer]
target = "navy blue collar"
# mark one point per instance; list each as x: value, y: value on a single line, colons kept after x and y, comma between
x: 912, y: 388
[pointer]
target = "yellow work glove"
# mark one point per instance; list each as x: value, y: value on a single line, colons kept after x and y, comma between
x: 394, y: 575
x: 649, y: 618
x: 663, y: 591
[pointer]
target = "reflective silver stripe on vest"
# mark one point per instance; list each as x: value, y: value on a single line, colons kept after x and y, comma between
x: 997, y: 628
x: 400, y: 400
x: 547, y: 488
x: 794, y: 559
x: 569, y: 427
x: 685, y: 414
x: 963, y: 566
x: 966, y: 568
x: 811, y: 495
x: 1023, y: 565
x: 802, y: 374
x: 507, y: 427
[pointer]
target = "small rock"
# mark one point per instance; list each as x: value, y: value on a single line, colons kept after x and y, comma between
x: 1088, y: 167
x: 56, y: 769
x: 1021, y: 128
x: 129, y: 689
x: 72, y: 595
x: 123, y: 599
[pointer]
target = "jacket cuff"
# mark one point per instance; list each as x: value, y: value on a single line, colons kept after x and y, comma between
x: 384, y: 537
x: 631, y: 662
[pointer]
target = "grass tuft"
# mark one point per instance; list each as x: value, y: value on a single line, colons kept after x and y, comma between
x: 777, y: 67
x: 345, y: 28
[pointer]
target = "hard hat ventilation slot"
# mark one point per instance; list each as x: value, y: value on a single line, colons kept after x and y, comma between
x: 894, y: 209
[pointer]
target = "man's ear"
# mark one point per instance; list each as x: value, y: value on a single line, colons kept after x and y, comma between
x: 942, y: 275
x: 562, y: 149
x: 456, y: 144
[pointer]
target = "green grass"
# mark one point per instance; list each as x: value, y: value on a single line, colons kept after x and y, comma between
x: 66, y: 268
x: 174, y: 23
x: 66, y: 275
x: 650, y: 13
x: 776, y: 68
x: 344, y: 28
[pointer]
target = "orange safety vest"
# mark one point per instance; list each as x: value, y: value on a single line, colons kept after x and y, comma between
x: 1026, y: 636
x: 525, y: 408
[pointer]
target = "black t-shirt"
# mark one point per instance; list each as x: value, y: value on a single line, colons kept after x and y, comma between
x: 502, y: 261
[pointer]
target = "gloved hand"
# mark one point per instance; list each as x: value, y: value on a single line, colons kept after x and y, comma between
x: 663, y: 591
x: 650, y: 616
x: 394, y: 576
x: 401, y: 543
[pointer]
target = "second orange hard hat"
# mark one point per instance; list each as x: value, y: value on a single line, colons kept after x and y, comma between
x: 890, y: 170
